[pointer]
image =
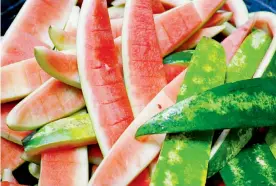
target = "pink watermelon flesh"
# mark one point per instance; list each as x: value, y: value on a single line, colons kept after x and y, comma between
x: 64, y: 167
x: 157, y: 6
x: 267, y: 21
x: 8, y: 134
x: 51, y: 101
x: 143, y: 150
x: 59, y: 65
x: 94, y: 168
x: 10, y: 155
x: 64, y: 66
x: 95, y: 155
x: 232, y: 43
x: 20, y: 79
x: 143, y: 68
x: 239, y: 9
x: 100, y: 74
x: 30, y: 28
x: 218, y: 18
x: 205, y: 32
x: 20, y: 50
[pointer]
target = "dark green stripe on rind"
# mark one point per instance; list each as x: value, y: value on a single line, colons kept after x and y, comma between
x: 247, y: 103
x: 184, y: 157
x: 179, y: 58
x: 74, y: 131
x: 253, y: 166
x: 248, y: 57
x: 271, y: 140
x: 234, y: 141
x: 242, y: 66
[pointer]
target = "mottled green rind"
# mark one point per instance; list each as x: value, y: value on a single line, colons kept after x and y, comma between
x: 184, y: 157
x: 271, y: 69
x: 34, y: 170
x: 252, y: 166
x: 271, y: 140
x: 243, y: 104
x: 230, y: 147
x: 242, y: 66
x: 179, y: 58
x: 248, y: 57
x: 29, y: 158
x: 72, y: 131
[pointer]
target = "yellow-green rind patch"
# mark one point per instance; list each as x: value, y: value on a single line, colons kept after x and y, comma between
x: 271, y: 140
x: 184, y: 157
x: 252, y: 166
x: 34, y: 170
x: 31, y: 158
x: 206, y: 70
x: 271, y: 69
x: 248, y: 57
x: 74, y: 131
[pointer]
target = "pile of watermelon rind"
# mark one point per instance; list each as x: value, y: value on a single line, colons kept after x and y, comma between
x: 139, y: 92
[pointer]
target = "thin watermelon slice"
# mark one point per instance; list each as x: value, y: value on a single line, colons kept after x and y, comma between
x: 51, y: 101
x: 29, y: 76
x: 100, y: 74
x: 232, y: 42
x: 239, y: 9
x: 34, y: 170
x: 30, y: 28
x: 65, y: 167
x: 144, y: 150
x: 72, y: 23
x: 10, y: 155
x: 266, y: 20
x: 157, y: 6
x: 8, y: 134
x: 205, y: 32
x: 142, y: 62
x: 63, y: 66
x: 73, y: 131
x: 95, y: 155
x: 254, y: 165
x: 61, y: 39
x: 178, y: 151
x: 219, y: 18
x: 169, y: 37
x: 212, y: 103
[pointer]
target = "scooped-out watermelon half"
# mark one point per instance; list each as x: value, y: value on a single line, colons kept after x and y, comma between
x: 6, y: 132
x: 30, y: 28
x: 10, y: 155
x: 29, y: 76
x: 51, y: 101
x: 64, y: 167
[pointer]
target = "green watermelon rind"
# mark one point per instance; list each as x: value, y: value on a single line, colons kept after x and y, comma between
x: 178, y: 149
x: 34, y: 170
x: 219, y: 100
x: 72, y: 131
x: 179, y: 58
